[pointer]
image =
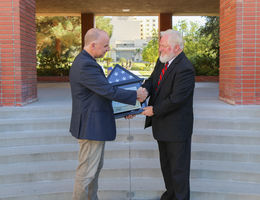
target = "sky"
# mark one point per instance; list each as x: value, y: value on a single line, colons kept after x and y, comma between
x: 176, y: 19
x: 198, y: 19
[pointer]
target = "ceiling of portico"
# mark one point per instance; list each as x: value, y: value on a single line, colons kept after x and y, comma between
x: 137, y: 7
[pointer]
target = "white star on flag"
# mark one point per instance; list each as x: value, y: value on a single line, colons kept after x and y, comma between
x: 119, y: 74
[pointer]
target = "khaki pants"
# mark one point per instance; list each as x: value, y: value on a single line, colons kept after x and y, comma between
x: 91, y: 157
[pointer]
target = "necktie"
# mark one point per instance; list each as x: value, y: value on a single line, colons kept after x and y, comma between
x: 162, y: 73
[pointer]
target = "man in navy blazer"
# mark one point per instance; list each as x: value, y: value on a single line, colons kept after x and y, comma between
x: 92, y: 119
x: 170, y: 113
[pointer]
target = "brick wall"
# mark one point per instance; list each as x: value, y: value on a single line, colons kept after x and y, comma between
x: 240, y: 51
x: 18, y: 79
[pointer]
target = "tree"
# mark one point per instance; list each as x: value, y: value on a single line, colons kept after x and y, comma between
x: 108, y: 60
x: 211, y: 30
x: 123, y: 61
x: 150, y: 52
x: 59, y: 41
x: 198, y: 48
x: 65, y: 32
x: 104, y: 23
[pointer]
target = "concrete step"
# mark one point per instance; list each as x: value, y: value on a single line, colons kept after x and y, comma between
x: 226, y: 136
x: 135, y: 134
x: 36, y: 153
x: 69, y: 151
x: 203, y: 189
x: 65, y: 169
x: 37, y: 190
x: 63, y: 136
x: 136, y: 188
x: 61, y: 122
x: 226, y: 123
x: 226, y: 111
x: 110, y: 188
x: 201, y: 108
x: 34, y: 137
x: 37, y: 171
x: 226, y: 152
x: 8, y: 125
x: 136, y: 122
x: 34, y: 112
x: 225, y: 171
x: 200, y: 151
x: 38, y: 156
x: 126, y: 167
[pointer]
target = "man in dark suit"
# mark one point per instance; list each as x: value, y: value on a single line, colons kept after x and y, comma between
x: 170, y: 113
x: 92, y: 119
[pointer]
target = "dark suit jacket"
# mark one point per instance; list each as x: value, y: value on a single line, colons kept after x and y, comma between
x: 92, y: 113
x: 173, y: 101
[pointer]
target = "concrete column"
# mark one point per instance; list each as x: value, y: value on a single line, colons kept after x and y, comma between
x: 18, y: 77
x: 165, y: 21
x: 239, y: 80
x: 87, y: 22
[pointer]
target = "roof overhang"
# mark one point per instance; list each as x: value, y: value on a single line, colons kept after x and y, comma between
x: 136, y: 7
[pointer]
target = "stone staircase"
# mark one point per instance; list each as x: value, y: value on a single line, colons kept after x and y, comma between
x: 38, y: 156
x: 226, y: 152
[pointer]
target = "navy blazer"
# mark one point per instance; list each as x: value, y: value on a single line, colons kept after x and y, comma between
x: 173, y: 100
x: 92, y: 113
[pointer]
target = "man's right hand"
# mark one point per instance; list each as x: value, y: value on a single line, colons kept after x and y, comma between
x: 141, y: 94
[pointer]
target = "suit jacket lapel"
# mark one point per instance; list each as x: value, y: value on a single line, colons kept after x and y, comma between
x: 169, y: 70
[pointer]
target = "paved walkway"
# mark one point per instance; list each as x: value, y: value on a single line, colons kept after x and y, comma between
x: 59, y: 94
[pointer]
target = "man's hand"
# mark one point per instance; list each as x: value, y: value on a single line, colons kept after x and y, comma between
x: 130, y: 116
x: 148, y: 111
x: 141, y: 94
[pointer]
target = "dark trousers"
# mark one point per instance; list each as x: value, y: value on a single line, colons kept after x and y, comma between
x: 175, y: 166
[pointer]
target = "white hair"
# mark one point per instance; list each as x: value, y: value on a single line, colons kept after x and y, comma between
x: 174, y: 37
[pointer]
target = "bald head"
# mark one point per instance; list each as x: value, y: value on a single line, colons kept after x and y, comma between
x: 96, y: 42
x: 93, y: 35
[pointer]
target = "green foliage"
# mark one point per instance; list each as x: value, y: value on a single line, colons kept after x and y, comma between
x: 108, y: 60
x: 201, y: 45
x: 53, y: 29
x: 150, y: 52
x: 104, y: 24
x: 137, y: 67
x: 52, y: 65
x: 211, y: 29
x: 122, y: 61
x: 59, y: 41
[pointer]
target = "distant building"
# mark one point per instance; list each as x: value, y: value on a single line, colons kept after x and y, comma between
x: 130, y: 36
x: 147, y: 26
x: 125, y: 28
x: 128, y: 49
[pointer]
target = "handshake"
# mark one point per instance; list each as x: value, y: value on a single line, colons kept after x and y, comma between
x: 142, y: 94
